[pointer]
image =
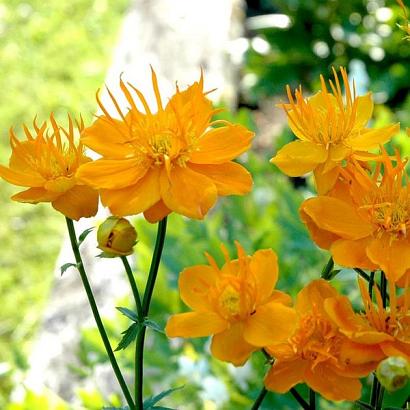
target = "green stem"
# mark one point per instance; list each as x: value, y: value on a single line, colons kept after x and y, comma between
x: 312, y: 399
x: 299, y: 399
x: 259, y: 399
x: 94, y: 308
x: 139, y: 346
x: 377, y: 389
x: 371, y: 283
x: 134, y: 287
x: 363, y: 274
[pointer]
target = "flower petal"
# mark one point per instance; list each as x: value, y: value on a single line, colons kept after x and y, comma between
x: 372, y: 138
x: 195, y: 324
x: 333, y: 215
x: 222, y: 144
x: 108, y: 137
x: 360, y: 353
x: 284, y: 375
x: 35, y: 195
x: 187, y: 192
x: 299, y: 157
x: 113, y: 174
x: 325, y: 181
x: 393, y: 257
x: 157, y: 212
x: 230, y: 346
x: 324, y: 380
x: 264, y: 266
x: 313, y: 295
x: 364, y: 111
x: 271, y: 323
x: 321, y: 237
x: 78, y: 202
x: 194, y: 285
x: 352, y: 254
x: 16, y: 177
x: 136, y: 198
x: 229, y: 178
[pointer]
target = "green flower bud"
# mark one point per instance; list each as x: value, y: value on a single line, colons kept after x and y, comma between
x: 393, y: 373
x: 116, y: 237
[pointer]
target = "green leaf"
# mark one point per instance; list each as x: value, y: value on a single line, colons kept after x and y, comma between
x: 116, y: 408
x: 129, y: 336
x: 106, y: 255
x: 129, y: 313
x: 83, y: 235
x: 64, y: 267
x: 150, y: 403
x: 153, y: 325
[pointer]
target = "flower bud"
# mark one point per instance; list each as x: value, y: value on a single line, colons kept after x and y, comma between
x: 393, y: 373
x: 116, y: 237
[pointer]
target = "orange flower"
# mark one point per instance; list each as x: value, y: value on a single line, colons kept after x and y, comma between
x: 48, y: 165
x: 329, y: 130
x: 385, y: 332
x: 312, y: 354
x: 172, y: 160
x: 237, y: 304
x: 366, y: 223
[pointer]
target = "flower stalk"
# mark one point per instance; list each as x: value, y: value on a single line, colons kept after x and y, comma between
x: 259, y: 399
x: 96, y: 314
x: 139, y: 347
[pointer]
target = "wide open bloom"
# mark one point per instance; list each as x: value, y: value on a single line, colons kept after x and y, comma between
x: 47, y: 163
x: 380, y: 331
x: 329, y: 129
x: 171, y: 160
x: 237, y: 304
x: 312, y: 354
x: 367, y: 223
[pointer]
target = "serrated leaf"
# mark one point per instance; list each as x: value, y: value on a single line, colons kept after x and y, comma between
x: 150, y: 403
x: 128, y: 312
x: 153, y: 325
x: 129, y: 336
x: 64, y: 267
x: 83, y: 235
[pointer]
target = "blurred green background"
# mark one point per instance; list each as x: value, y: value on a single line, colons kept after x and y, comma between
x: 54, y: 55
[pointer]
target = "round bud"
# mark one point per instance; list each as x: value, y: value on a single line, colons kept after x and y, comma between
x: 116, y: 237
x: 393, y: 373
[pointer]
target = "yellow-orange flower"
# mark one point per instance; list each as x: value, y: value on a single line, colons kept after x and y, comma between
x: 329, y: 129
x: 171, y: 160
x: 237, y: 304
x: 312, y: 354
x: 47, y: 162
x: 383, y: 331
x: 366, y: 223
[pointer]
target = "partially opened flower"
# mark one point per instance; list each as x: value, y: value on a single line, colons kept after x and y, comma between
x: 329, y: 129
x: 237, y: 304
x: 383, y: 331
x: 369, y: 226
x: 47, y: 163
x: 312, y: 355
x: 176, y: 159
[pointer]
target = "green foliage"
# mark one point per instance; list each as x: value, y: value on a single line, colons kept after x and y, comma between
x: 326, y: 33
x: 53, y: 56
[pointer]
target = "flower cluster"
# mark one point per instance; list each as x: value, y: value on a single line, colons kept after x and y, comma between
x: 178, y: 159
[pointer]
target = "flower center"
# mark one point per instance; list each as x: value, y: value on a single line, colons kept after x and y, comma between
x: 166, y: 149
x: 390, y: 213
x: 316, y: 339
